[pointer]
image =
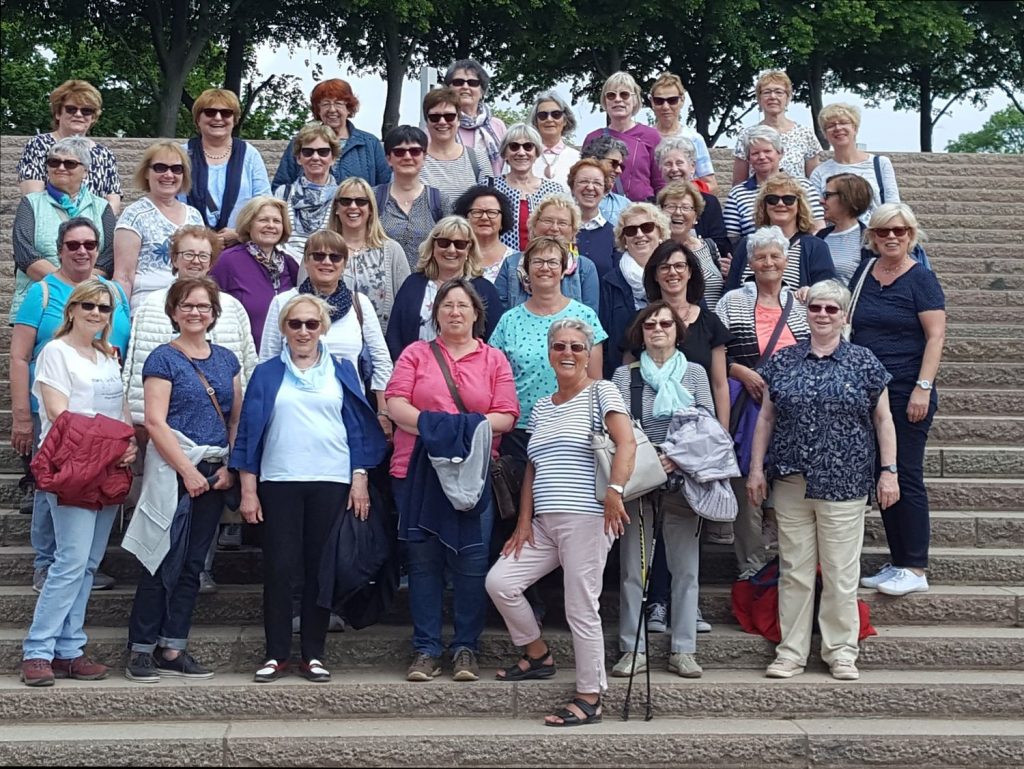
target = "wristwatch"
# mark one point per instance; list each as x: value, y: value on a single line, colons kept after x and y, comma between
x: 924, y: 384
x: 890, y: 469
x: 617, y: 487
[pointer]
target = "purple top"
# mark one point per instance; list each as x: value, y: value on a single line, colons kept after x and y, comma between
x: 238, y: 274
x: 641, y: 177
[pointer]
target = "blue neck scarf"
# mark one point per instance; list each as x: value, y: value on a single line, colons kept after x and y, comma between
x: 315, y: 377
x: 667, y: 381
x: 65, y: 201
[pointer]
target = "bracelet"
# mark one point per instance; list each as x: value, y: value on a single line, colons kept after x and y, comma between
x: 384, y: 413
x: 359, y: 471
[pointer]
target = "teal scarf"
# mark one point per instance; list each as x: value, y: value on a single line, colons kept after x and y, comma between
x: 314, y: 378
x: 666, y: 381
x: 64, y: 200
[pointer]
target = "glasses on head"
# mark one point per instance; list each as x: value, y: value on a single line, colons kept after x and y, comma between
x: 161, y: 168
x: 346, y: 201
x: 551, y: 264
x: 665, y: 323
x: 70, y: 165
x: 458, y: 82
x: 448, y: 117
x: 576, y: 347
x: 319, y: 256
x: 678, y: 208
x: 308, y: 152
x: 778, y: 92
x: 672, y: 267
x: 105, y: 309
x: 786, y: 200
x: 327, y: 104
x: 311, y: 325
x: 194, y: 256
x: 203, y: 308
x: 883, y: 232
x: 829, y: 309
x: 74, y: 245
x: 444, y: 243
x: 524, y: 146
x: 672, y: 101
x: 547, y: 221
x: 484, y: 213
x: 631, y: 230
x: 829, y: 194
x: 401, y: 152
x: 555, y: 114
x: 71, y: 109
x: 214, y: 112
x: 613, y: 95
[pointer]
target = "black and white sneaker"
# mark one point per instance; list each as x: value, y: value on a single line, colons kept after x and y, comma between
x: 183, y: 666
x: 141, y: 668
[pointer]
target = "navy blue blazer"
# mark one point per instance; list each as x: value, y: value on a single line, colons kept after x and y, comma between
x: 815, y: 262
x: 617, y: 311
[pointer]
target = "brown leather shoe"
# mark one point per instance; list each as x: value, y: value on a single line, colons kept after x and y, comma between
x: 37, y: 672
x: 80, y: 668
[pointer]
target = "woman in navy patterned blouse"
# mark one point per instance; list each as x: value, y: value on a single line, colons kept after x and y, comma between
x: 825, y: 401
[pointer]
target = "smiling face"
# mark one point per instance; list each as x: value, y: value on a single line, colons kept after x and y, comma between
x: 485, y: 217
x: 549, y: 126
x: 78, y: 262
x: 93, y: 320
x: 888, y: 243
x: 554, y: 221
x: 640, y: 244
x: 334, y: 113
x: 351, y: 215
x: 768, y: 263
x: 267, y: 228
x: 676, y: 166
x: 450, y: 252
x: 841, y: 132
x: 660, y: 330
x: 469, y: 95
x: 588, y: 188
x: 618, y: 102
x: 521, y: 154
x: 773, y: 98
x: 681, y: 214
x: 65, y: 179
x: 545, y: 268
x: 824, y: 326
x: 303, y: 341
x: 71, y: 117
x: 193, y: 257
x: 168, y: 183
x: 614, y: 159
x: 194, y: 313
x: 833, y: 205
x: 569, y: 364
x: 324, y: 271
x: 317, y: 166
x: 665, y: 112
x: 442, y: 122
x: 764, y: 158
x: 780, y: 213
x: 456, y: 315
x: 218, y: 127
x: 673, y: 275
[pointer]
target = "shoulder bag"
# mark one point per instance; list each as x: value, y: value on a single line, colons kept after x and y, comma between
x: 848, y: 326
x: 648, y: 474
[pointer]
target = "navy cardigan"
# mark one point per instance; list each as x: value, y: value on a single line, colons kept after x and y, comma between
x: 404, y: 324
x: 367, y: 445
x: 363, y: 156
x: 815, y: 262
x: 617, y: 311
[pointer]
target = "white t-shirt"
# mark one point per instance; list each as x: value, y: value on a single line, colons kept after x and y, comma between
x: 91, y: 387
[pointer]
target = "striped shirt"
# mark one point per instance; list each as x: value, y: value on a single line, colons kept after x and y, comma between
x: 453, y: 177
x: 695, y: 380
x: 707, y: 256
x: 560, y: 451
x: 738, y: 213
x: 846, y: 251
x: 737, y: 310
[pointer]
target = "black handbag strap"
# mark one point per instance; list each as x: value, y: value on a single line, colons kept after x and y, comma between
x: 439, y: 356
x: 636, y: 392
x: 777, y: 332
x: 202, y: 378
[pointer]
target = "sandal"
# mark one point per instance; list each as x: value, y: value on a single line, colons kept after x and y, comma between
x: 537, y: 670
x: 571, y: 719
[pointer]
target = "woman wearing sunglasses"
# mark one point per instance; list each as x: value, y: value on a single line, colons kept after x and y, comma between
x: 822, y: 386
x: 310, y: 196
x: 451, y: 165
x: 40, y: 214
x: 782, y: 202
x: 306, y: 439
x: 258, y: 268
x: 226, y: 171
x: 450, y: 251
x: 900, y: 315
x: 477, y: 126
x: 142, y: 258
x: 75, y: 106
x: 524, y: 189
x: 553, y: 119
x: 668, y: 97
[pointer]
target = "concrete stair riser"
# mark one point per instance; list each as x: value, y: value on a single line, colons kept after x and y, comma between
x: 957, y: 401
x: 971, y: 462
x: 953, y: 529
x: 976, y: 430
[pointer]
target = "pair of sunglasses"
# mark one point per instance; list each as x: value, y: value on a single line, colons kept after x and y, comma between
x: 630, y: 231
x: 295, y: 324
x: 319, y: 256
x: 308, y: 152
x: 105, y: 309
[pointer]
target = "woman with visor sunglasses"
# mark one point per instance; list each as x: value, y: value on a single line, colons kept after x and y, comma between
x: 310, y: 196
x: 553, y: 119
x: 452, y: 165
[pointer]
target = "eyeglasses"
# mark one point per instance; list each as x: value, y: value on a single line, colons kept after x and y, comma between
x: 828, y: 309
x: 295, y: 324
x: 551, y: 264
x: 576, y: 347
x: 665, y: 323
x: 779, y: 92
x: 524, y: 146
x: 223, y: 114
x: 829, y: 194
x: 74, y: 245
x: 630, y: 231
x: 484, y: 213
x: 458, y: 82
x: 589, y: 183
x: 104, y: 309
x: 194, y: 256
x: 70, y: 165
x: 786, y: 200
x: 202, y: 308
x: 838, y: 124
x: 448, y: 117
x: 401, y: 152
x: 623, y: 95
x: 555, y: 114
x: 883, y: 232
x: 678, y: 208
x: 672, y: 101
x: 345, y: 202
x: 673, y: 267
x: 308, y: 152
x: 71, y: 109
x: 549, y: 222
x: 325, y: 105
x: 444, y: 243
x: 161, y: 168
x: 319, y: 256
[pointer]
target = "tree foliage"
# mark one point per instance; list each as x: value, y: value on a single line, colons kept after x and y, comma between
x: 1003, y: 132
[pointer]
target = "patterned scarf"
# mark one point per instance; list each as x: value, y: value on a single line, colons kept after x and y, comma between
x: 311, y: 203
x: 340, y: 301
x: 481, y: 123
x: 64, y: 200
x: 273, y: 264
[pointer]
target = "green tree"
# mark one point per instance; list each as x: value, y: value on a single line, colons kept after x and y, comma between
x: 1002, y: 132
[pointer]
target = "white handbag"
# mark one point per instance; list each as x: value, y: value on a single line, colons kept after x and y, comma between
x: 648, y: 474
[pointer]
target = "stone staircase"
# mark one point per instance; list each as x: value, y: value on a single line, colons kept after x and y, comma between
x: 942, y: 683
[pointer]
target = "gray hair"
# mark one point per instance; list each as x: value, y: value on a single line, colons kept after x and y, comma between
x: 70, y: 224
x: 601, y: 146
x: 830, y: 289
x: 572, y: 324
x: 77, y: 147
x: 766, y: 237
x: 552, y: 95
x: 520, y: 132
x: 473, y: 66
x: 676, y: 144
x: 763, y: 133
x: 884, y: 214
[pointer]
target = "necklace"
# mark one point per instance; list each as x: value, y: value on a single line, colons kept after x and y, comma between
x: 897, y: 268
x: 210, y: 156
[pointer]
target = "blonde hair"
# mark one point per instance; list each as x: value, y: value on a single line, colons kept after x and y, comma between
x: 80, y: 91
x: 783, y: 184
x: 299, y: 299
x: 625, y: 80
x: 141, y: 177
x: 243, y: 224
x: 450, y: 227
x: 837, y: 111
x: 375, y: 235
x: 669, y: 80
x: 774, y: 76
x: 89, y: 291
x: 312, y: 131
x: 681, y: 189
x: 660, y: 219
x: 555, y: 200
x: 884, y: 214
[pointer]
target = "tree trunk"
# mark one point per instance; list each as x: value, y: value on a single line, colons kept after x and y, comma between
x: 234, y: 66
x: 815, y: 86
x: 171, y: 87
x: 396, y: 65
x: 924, y: 83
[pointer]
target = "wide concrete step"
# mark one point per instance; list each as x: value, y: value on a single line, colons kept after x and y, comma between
x: 954, y: 528
x: 1010, y: 349
x: 986, y: 281
x: 946, y: 263
x: 976, y: 430
x: 969, y: 402
x: 974, y: 461
x: 979, y: 375
x: 983, y: 313
x: 993, y: 330
x: 522, y: 740
x: 952, y: 493
x: 961, y: 565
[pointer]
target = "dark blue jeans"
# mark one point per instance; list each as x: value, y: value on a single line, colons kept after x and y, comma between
x: 907, y: 526
x: 428, y: 562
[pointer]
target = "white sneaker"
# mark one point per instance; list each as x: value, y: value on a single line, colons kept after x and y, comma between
x: 904, y: 581
x: 883, y: 574
x: 624, y: 667
x: 844, y: 670
x: 703, y: 626
x: 783, y: 668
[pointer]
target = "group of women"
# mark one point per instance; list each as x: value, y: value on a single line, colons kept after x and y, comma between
x: 489, y: 287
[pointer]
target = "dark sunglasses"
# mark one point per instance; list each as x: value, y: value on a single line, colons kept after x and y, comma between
x: 448, y: 117
x: 555, y: 114
x: 458, y: 82
x: 576, y: 347
x: 524, y: 146
x: 345, y: 202
x: 646, y: 228
x: 319, y: 256
x: 295, y: 324
x: 883, y: 232
x: 615, y: 164
x: 104, y: 309
x: 71, y: 165
x: 650, y: 325
x: 223, y: 114
x: 74, y: 245
x: 443, y: 243
x: 161, y: 168
x: 774, y: 200
x: 308, y: 152
x: 658, y: 101
x: 624, y: 95
x: 70, y: 109
x: 828, y: 309
x: 401, y: 152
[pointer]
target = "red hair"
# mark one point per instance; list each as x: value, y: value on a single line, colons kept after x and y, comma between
x: 333, y: 90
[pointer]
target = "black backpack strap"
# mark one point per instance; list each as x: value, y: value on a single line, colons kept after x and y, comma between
x: 434, y: 201
x: 636, y: 392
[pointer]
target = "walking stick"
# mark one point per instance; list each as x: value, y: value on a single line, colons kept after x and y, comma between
x: 645, y: 580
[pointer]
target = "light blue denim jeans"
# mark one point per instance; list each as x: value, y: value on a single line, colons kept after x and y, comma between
x: 58, y: 623
x: 42, y: 519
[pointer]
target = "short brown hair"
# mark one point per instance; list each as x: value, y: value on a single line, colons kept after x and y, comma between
x: 181, y: 288
x: 783, y: 184
x: 478, y: 304
x: 334, y: 89
x: 141, y: 177
x: 437, y: 96
x: 194, y: 231
x: 77, y: 90
x: 546, y: 243
x: 681, y: 189
x: 243, y: 223
x: 855, y: 192
x: 212, y: 96
x: 635, y: 332
x: 312, y: 131
x: 668, y: 80
x: 601, y: 165
x: 325, y: 240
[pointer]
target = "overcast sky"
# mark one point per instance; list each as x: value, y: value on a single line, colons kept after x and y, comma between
x: 882, y: 129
